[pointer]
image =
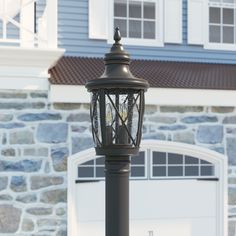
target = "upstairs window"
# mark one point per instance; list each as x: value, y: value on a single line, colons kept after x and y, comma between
x: 222, y: 24
x: 212, y: 23
x: 136, y: 19
x: 140, y: 21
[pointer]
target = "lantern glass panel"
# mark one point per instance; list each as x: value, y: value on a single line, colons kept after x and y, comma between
x: 122, y: 116
x: 115, y: 115
x: 96, y: 121
x: 136, y: 115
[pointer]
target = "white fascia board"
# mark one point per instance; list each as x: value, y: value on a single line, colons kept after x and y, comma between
x: 191, y: 97
x: 19, y: 56
x: 26, y: 68
x: 29, y: 83
x: 29, y: 62
x: 154, y: 96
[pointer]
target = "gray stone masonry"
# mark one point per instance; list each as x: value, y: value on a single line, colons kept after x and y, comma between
x: 38, y: 137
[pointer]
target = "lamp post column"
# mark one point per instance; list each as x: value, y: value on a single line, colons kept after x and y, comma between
x: 117, y: 109
x: 117, y: 171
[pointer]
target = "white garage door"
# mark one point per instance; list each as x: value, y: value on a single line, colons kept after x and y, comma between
x: 173, y: 207
x: 157, y: 208
x: 177, y: 196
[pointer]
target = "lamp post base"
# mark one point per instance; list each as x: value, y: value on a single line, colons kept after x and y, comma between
x: 117, y: 171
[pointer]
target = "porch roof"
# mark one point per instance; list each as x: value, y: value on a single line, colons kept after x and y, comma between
x: 160, y: 74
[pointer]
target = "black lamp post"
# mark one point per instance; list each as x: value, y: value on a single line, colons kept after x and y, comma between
x: 117, y: 109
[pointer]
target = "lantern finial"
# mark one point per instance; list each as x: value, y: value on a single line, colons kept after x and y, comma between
x: 117, y: 36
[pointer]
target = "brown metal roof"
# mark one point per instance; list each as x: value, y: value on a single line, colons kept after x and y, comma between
x: 77, y: 70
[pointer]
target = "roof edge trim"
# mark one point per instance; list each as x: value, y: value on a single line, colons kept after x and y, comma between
x: 154, y: 96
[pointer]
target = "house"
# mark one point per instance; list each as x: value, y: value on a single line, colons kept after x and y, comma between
x: 183, y: 182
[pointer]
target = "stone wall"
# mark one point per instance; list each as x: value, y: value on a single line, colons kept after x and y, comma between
x: 37, y: 138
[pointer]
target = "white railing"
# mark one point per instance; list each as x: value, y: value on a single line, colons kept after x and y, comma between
x: 19, y: 16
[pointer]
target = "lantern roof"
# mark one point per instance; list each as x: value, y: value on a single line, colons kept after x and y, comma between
x: 117, y: 73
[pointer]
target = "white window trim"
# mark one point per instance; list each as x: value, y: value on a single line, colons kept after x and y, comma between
x: 186, y: 149
x: 158, y: 42
x: 214, y: 46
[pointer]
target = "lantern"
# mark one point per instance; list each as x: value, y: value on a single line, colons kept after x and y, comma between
x: 117, y: 105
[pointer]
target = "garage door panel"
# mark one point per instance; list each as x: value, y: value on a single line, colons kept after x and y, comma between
x: 164, y: 227
x: 167, y: 207
x: 160, y: 228
x: 172, y: 198
x: 91, y: 201
x: 91, y: 228
x: 204, y: 227
x: 175, y: 227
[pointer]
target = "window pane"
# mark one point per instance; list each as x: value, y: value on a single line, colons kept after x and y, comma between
x: 134, y: 29
x: 228, y: 16
x: 159, y: 171
x: 137, y: 171
x: 207, y: 170
x: 175, y: 170
x: 135, y: 9
x: 159, y: 158
x: 84, y: 171
x: 205, y: 162
x: 191, y: 160
x: 149, y: 10
x: 214, y: 34
x: 228, y: 34
x: 100, y: 172
x: 122, y: 25
x: 149, y: 30
x: 120, y: 8
x: 174, y: 158
x: 214, y: 15
x: 140, y: 160
x: 100, y: 161
x: 191, y: 171
x: 88, y: 163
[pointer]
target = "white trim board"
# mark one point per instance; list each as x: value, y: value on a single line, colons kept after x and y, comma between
x: 29, y: 57
x: 24, y: 83
x: 27, y: 68
x: 154, y: 96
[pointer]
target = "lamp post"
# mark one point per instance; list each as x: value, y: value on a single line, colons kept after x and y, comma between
x: 117, y: 109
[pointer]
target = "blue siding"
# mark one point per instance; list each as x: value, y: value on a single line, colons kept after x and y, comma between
x: 185, y: 25
x: 73, y: 36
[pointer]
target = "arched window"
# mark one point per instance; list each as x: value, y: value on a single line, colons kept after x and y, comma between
x: 175, y: 165
x: 153, y: 164
x: 94, y: 169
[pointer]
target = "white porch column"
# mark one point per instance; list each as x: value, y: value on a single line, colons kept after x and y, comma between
x: 52, y: 22
x: 27, y: 23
